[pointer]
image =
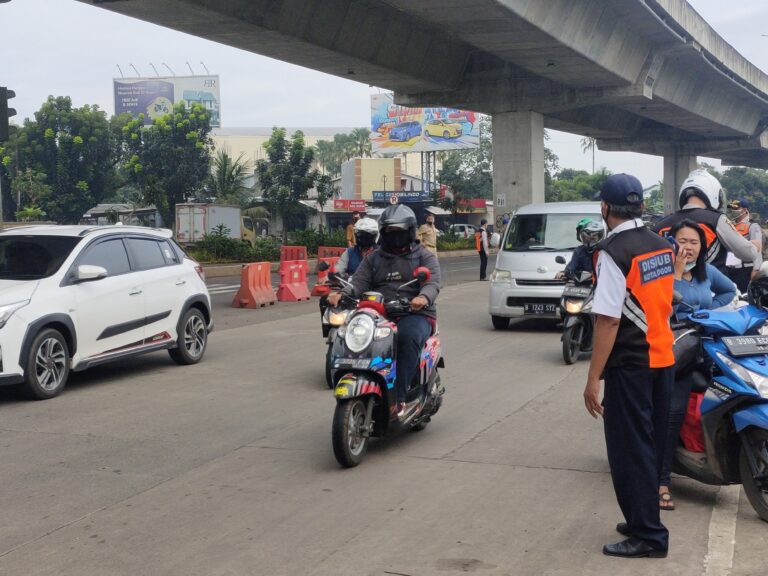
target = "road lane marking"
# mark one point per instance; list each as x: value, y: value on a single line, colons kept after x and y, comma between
x: 722, y: 532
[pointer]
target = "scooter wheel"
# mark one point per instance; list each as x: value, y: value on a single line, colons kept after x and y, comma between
x: 328, y: 361
x: 757, y: 493
x: 572, y: 342
x: 349, y: 442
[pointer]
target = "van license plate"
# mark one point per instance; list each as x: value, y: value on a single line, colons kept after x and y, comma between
x: 539, y: 308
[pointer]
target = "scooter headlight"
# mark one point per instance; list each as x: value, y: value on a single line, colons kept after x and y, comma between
x: 574, y: 306
x: 338, y: 318
x: 757, y: 381
x: 359, y: 333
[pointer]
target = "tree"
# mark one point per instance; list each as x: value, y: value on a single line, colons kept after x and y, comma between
x: 325, y: 193
x: 362, y: 140
x: 170, y: 159
x: 468, y: 172
x: 287, y: 174
x: 589, y: 144
x: 749, y: 183
x: 29, y: 188
x: 73, y: 148
x: 227, y: 180
x: 576, y: 185
x: 29, y: 214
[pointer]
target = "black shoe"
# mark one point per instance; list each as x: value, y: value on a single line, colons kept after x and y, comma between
x: 623, y: 529
x: 633, y: 548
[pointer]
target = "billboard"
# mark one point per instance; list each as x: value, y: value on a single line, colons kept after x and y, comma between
x: 397, y: 128
x: 155, y: 97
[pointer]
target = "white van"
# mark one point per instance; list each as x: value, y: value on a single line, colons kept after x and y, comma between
x: 523, y: 283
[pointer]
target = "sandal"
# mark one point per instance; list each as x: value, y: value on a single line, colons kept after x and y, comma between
x: 666, y: 502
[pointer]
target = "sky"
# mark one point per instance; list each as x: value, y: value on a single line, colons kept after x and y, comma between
x: 64, y: 47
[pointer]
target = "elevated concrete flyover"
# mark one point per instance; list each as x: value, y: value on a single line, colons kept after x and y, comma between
x: 647, y: 76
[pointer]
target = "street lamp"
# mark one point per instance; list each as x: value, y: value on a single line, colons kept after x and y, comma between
x: 384, y: 179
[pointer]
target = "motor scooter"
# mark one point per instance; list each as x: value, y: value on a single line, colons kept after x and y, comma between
x: 364, y: 371
x: 734, y: 408
x: 576, y: 312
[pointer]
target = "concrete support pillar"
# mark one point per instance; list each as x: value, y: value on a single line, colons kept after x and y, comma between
x: 676, y: 169
x: 518, y: 160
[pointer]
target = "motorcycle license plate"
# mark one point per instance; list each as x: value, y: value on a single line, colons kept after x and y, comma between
x: 539, y: 308
x: 746, y: 345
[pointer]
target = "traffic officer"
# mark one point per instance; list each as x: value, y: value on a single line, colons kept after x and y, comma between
x: 701, y: 200
x: 738, y: 271
x: 633, y: 353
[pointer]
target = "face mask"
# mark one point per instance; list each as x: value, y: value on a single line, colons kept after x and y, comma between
x: 396, y: 242
x: 365, y: 240
x: 430, y: 223
x: 690, y: 266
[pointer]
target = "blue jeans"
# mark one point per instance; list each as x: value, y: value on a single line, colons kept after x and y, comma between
x: 413, y: 331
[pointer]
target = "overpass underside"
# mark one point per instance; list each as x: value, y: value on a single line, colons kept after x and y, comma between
x: 646, y: 76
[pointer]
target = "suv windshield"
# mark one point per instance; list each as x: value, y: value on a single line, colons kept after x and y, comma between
x: 544, y: 232
x: 33, y: 257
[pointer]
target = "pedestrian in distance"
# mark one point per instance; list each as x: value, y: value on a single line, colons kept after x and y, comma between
x: 741, y: 271
x: 351, y: 229
x: 633, y: 355
x: 481, y: 245
x: 427, y: 234
x: 701, y: 200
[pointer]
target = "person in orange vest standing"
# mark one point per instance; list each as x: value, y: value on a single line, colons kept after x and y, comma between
x: 742, y: 271
x: 633, y: 354
x: 481, y: 245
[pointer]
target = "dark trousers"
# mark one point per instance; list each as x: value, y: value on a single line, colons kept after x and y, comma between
x: 678, y: 405
x: 483, y: 263
x: 413, y: 331
x: 740, y: 277
x: 636, y: 403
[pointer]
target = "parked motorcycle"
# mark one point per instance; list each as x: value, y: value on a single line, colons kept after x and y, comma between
x: 576, y: 312
x: 364, y: 373
x: 734, y: 409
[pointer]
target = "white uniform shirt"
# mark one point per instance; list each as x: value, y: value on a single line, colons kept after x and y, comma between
x: 611, y: 289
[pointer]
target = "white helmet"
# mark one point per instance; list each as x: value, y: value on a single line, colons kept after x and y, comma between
x: 703, y: 185
x: 368, y: 225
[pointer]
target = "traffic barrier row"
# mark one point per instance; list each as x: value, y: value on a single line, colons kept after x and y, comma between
x: 294, y: 254
x: 322, y: 288
x: 255, y: 286
x: 293, y: 281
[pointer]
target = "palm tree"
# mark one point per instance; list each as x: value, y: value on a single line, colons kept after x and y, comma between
x: 588, y: 143
x: 362, y: 139
x: 324, y: 156
x: 227, y: 179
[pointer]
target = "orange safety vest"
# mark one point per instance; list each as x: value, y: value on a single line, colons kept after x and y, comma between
x: 479, y: 240
x: 743, y: 228
x: 707, y: 221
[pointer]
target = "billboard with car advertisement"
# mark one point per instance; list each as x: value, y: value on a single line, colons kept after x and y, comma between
x: 397, y: 128
x: 155, y: 97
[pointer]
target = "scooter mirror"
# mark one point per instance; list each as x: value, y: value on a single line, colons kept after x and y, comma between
x: 422, y: 274
x: 333, y: 276
x: 323, y: 266
x: 560, y: 260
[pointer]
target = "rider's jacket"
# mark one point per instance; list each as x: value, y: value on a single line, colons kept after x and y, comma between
x: 707, y: 219
x: 647, y: 262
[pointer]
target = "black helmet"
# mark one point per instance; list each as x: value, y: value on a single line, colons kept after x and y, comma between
x: 757, y: 291
x: 397, y: 226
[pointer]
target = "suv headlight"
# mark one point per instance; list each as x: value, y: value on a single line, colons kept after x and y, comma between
x: 757, y: 381
x: 7, y: 310
x: 359, y: 333
x: 501, y: 276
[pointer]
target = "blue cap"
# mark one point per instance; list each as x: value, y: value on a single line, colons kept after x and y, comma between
x: 739, y: 204
x: 622, y: 190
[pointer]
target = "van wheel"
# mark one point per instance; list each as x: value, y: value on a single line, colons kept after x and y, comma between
x: 192, y: 338
x: 47, y: 368
x: 500, y: 322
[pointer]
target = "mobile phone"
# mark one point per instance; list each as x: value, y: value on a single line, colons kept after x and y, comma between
x: 675, y: 245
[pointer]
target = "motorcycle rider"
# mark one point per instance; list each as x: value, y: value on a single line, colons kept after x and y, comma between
x: 366, y: 233
x: 701, y: 200
x: 384, y: 270
x: 589, y: 233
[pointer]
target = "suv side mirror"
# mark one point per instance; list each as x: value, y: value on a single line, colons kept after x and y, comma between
x: 87, y: 273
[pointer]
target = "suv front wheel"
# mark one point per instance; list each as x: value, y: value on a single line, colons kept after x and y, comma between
x: 47, y: 368
x: 192, y: 338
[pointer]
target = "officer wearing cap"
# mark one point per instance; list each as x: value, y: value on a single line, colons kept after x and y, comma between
x: 633, y: 354
x: 742, y: 271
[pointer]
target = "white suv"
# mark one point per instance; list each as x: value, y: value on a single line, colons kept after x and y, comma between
x: 72, y: 297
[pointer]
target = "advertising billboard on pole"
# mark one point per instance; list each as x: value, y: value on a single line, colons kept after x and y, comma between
x: 397, y: 128
x: 155, y: 97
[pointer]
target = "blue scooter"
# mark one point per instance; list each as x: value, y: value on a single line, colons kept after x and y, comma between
x: 734, y: 410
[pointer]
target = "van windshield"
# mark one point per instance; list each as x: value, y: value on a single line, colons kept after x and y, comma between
x: 549, y: 232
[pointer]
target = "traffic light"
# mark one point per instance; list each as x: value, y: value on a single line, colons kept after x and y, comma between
x: 5, y: 112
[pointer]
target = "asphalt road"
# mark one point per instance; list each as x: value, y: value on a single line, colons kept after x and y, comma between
x: 226, y: 469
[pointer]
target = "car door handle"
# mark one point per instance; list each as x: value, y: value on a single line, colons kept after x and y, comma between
x: 134, y: 292
x: 181, y: 283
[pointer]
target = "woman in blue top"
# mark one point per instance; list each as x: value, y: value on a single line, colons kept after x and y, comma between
x: 703, y: 287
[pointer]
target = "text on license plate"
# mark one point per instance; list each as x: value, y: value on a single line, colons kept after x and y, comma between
x: 539, y: 308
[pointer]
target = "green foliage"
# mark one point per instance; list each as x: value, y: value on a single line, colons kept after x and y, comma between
x: 216, y: 247
x: 30, y: 214
x: 73, y: 149
x: 468, y: 172
x: 30, y: 188
x: 170, y: 159
x: 449, y: 242
x: 287, y: 174
x: 575, y: 185
x: 227, y: 179
x: 331, y: 154
x: 749, y: 183
x: 313, y: 238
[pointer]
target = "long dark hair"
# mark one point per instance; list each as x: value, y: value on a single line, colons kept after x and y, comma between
x: 699, y: 271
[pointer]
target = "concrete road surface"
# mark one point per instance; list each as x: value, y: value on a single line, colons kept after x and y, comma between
x: 226, y: 469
